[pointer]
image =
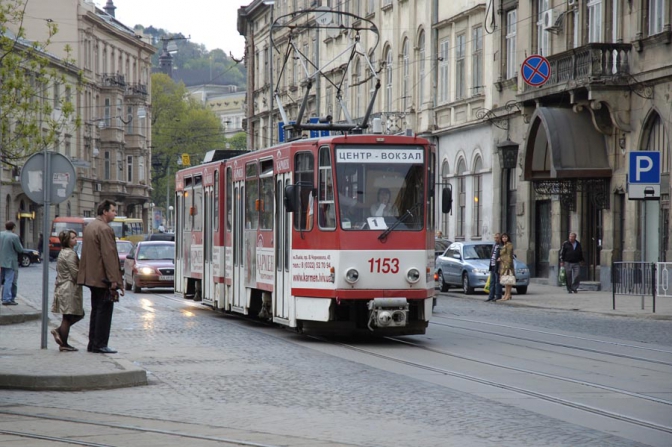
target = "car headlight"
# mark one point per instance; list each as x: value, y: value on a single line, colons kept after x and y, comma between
x: 481, y: 271
x: 523, y: 271
x: 352, y: 275
x: 413, y: 275
x: 146, y: 270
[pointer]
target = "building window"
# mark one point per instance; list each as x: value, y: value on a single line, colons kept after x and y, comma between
x: 107, y: 112
x: 594, y: 21
x: 120, y: 166
x: 477, y: 60
x: 460, y: 51
x: 543, y: 37
x: 421, y: 69
x: 358, y: 91
x: 388, y: 80
x: 406, y: 99
x: 141, y: 168
x: 444, y: 66
x: 329, y: 100
x: 68, y: 147
x: 478, y: 198
x: 371, y: 7
x: 656, y: 13
x: 129, y: 120
x: 119, y: 112
x: 57, y: 95
x: 295, y: 68
x: 129, y: 168
x: 107, y: 165
x: 461, y: 198
x: 511, y: 29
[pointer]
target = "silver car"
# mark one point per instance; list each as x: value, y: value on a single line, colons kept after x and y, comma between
x: 467, y: 264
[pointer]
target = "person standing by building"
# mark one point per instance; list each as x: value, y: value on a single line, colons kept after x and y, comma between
x: 68, y: 299
x: 40, y: 242
x: 571, y: 254
x: 495, y: 287
x: 506, y: 266
x: 10, y: 249
x: 101, y: 273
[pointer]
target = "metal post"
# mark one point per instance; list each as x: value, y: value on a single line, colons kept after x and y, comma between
x: 653, y: 285
x: 613, y: 285
x: 45, y: 243
x: 642, y: 230
x: 167, y: 194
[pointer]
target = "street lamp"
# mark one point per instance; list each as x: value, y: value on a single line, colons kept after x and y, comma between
x: 171, y: 219
x: 508, y: 157
x: 166, y: 57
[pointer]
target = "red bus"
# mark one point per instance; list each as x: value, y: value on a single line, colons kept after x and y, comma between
x: 295, y: 234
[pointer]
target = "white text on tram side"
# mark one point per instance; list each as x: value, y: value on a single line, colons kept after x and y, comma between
x: 379, y: 155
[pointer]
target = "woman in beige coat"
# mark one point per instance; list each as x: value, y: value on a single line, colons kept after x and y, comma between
x: 68, y: 298
x: 506, y: 263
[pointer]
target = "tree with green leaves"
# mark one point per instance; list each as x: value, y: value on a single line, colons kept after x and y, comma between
x: 36, y: 89
x: 180, y: 125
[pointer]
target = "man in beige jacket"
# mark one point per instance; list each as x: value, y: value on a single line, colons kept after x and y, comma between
x: 100, y: 271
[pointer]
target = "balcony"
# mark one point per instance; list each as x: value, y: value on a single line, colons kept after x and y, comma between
x: 595, y: 63
x: 136, y: 90
x: 112, y: 80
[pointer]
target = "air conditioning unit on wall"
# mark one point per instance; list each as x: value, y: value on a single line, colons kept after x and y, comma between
x: 571, y: 2
x: 548, y: 19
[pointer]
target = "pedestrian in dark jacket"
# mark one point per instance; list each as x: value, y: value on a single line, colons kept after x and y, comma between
x: 571, y: 257
x: 495, y: 287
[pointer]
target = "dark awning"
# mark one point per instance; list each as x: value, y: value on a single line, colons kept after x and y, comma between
x: 563, y: 144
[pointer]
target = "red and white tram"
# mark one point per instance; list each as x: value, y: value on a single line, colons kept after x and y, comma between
x: 329, y: 234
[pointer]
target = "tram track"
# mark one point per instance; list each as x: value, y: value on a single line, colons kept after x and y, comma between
x: 554, y: 334
x: 511, y: 388
x: 217, y: 440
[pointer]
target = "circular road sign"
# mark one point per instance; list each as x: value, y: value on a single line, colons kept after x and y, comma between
x: 61, y: 178
x: 536, y: 70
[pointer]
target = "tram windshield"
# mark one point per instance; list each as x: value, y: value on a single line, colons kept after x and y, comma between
x: 380, y: 186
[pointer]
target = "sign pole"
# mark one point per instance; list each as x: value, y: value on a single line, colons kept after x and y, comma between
x: 45, y: 239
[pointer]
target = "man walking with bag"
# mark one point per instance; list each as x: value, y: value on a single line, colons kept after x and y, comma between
x: 495, y: 287
x: 571, y: 257
x: 100, y: 271
x: 10, y: 249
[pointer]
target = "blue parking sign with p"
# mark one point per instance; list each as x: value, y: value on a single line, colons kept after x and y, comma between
x: 644, y: 175
x: 644, y: 167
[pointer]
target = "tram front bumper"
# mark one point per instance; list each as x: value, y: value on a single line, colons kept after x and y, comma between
x: 388, y: 312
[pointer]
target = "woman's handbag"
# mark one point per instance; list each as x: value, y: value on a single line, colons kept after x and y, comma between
x: 507, y: 279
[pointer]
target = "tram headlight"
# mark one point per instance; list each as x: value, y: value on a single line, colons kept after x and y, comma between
x: 413, y: 275
x: 352, y: 275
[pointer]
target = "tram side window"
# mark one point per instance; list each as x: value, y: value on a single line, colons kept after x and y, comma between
x: 265, y: 203
x: 252, y: 196
x: 216, y: 202
x: 229, y: 199
x: 326, y: 211
x: 188, y: 204
x: 304, y: 168
x: 197, y: 209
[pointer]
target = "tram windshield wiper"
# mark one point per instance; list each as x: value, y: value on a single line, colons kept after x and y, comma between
x: 402, y: 218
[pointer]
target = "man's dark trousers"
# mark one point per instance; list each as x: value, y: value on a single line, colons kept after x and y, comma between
x: 495, y: 286
x: 101, y: 318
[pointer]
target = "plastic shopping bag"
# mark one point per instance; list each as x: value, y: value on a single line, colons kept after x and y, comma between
x: 486, y: 289
x: 562, y: 277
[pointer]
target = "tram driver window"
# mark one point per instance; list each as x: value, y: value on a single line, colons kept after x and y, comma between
x: 304, y: 169
x: 326, y: 211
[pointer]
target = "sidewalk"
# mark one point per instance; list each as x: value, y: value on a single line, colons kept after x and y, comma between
x: 23, y: 365
x: 553, y: 297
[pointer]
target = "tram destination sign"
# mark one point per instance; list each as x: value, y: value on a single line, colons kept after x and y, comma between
x: 406, y: 155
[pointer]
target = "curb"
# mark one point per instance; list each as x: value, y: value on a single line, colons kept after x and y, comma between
x: 19, y: 318
x: 127, y: 375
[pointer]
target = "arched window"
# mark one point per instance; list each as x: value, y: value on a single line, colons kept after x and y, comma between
x: 421, y: 70
x: 406, y: 80
x: 7, y: 210
x: 461, y: 197
x: 477, y: 216
x: 388, y: 80
x: 445, y: 169
x: 655, y: 139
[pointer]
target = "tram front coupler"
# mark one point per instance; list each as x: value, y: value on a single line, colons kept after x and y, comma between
x: 388, y: 312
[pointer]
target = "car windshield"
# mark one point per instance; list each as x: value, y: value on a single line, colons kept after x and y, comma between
x: 482, y: 251
x: 378, y: 187
x: 156, y: 252
x: 124, y: 247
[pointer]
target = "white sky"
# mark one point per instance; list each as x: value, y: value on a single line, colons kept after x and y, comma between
x: 212, y: 23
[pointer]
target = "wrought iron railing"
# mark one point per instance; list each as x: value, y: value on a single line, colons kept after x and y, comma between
x: 589, y: 62
x: 136, y: 89
x: 113, y: 80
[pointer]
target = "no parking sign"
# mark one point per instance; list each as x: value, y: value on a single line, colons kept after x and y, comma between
x: 536, y: 70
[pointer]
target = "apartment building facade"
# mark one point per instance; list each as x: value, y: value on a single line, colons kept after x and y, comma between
x: 111, y: 149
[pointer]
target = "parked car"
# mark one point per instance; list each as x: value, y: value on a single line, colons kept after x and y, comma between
x: 123, y: 248
x: 467, y: 264
x: 440, y: 246
x: 150, y: 264
x: 29, y: 256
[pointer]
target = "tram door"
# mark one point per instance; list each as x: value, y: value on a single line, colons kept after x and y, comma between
x: 238, y: 299
x: 281, y: 305
x: 208, y: 285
